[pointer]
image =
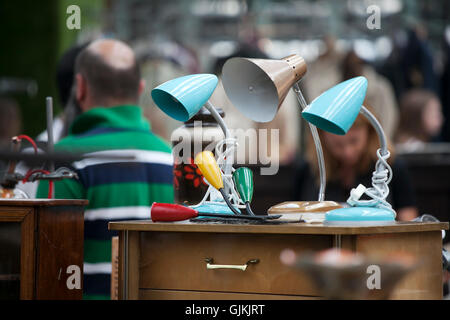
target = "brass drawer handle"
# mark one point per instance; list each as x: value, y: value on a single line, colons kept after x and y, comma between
x: 210, y: 265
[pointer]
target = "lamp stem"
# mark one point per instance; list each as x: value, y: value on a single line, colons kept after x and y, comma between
x: 50, y: 141
x: 218, y: 118
x: 229, y: 158
x: 318, y: 145
x: 379, y: 130
x: 382, y: 174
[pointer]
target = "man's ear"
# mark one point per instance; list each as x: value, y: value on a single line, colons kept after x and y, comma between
x: 142, y: 85
x: 81, y: 90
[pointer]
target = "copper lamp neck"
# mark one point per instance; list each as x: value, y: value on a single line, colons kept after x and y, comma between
x: 298, y: 64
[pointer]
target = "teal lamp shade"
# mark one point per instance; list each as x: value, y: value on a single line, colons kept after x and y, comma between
x: 183, y: 97
x: 336, y: 109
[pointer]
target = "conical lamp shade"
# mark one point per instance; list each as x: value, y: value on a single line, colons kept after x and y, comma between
x: 257, y: 87
x: 243, y: 180
x: 207, y: 165
x: 336, y: 109
x: 183, y: 97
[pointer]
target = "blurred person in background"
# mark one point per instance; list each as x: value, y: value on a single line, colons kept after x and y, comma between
x: 10, y: 121
x: 421, y: 119
x: 10, y: 126
x: 445, y: 88
x: 65, y: 85
x: 417, y: 61
x: 349, y: 161
x: 287, y: 120
x: 410, y: 64
x: 108, y: 86
x: 380, y: 94
x: 160, y: 64
x: 324, y: 72
x: 61, y: 123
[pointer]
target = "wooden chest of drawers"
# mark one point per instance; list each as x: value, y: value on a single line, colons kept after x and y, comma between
x: 41, y: 249
x: 169, y: 260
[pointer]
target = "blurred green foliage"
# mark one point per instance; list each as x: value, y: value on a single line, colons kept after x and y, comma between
x: 33, y: 36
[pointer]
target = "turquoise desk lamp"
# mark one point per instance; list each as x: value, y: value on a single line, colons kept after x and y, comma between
x: 181, y: 98
x: 334, y: 111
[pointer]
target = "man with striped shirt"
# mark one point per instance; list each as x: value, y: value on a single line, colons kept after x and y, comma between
x: 108, y: 85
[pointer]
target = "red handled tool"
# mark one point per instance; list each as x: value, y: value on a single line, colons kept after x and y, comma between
x: 177, y: 212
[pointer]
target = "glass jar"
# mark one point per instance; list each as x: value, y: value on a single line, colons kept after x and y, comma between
x: 200, y: 133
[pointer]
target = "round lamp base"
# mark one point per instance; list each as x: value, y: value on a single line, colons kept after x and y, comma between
x: 213, y: 207
x: 359, y: 216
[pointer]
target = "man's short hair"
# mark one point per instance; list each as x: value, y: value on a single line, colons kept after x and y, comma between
x: 108, y: 82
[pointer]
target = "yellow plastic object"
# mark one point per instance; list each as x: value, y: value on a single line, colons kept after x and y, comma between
x: 208, y: 166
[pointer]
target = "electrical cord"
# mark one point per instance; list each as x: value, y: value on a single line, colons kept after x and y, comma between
x: 231, y: 144
x: 231, y: 194
x: 230, y: 205
x: 379, y: 190
x: 30, y: 140
x: 50, y: 183
x: 249, y: 209
x: 31, y: 172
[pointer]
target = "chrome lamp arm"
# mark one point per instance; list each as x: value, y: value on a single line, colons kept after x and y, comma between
x: 318, y: 145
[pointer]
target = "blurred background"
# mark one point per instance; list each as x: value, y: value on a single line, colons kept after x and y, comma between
x: 406, y: 60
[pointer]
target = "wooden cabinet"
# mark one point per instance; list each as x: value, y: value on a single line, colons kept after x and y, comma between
x: 41, y: 249
x: 169, y: 260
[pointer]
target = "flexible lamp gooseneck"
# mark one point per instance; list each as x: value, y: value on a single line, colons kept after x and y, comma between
x: 181, y: 99
x: 335, y: 111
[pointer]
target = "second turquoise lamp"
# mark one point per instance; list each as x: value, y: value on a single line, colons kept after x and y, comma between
x: 334, y: 111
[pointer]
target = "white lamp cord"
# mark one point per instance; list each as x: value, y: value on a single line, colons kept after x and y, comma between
x: 212, y: 193
x: 380, y: 177
x: 379, y: 190
x: 231, y: 144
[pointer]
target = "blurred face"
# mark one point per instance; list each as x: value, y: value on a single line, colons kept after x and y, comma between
x: 347, y: 149
x: 432, y: 118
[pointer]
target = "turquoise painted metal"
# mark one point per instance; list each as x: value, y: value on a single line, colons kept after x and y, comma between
x: 183, y: 97
x: 358, y: 214
x: 336, y: 109
x: 213, y: 207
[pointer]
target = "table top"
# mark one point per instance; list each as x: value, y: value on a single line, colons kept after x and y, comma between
x: 290, y: 228
x: 43, y: 202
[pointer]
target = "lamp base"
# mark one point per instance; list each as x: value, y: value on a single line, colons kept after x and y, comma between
x: 359, y: 216
x: 213, y: 207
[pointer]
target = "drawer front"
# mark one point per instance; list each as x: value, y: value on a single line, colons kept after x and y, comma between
x: 176, y: 261
x: 149, y: 294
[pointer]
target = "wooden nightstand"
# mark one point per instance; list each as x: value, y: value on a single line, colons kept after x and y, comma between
x: 169, y: 260
x: 39, y: 240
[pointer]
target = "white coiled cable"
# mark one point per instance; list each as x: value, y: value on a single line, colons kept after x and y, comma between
x: 379, y: 190
x: 212, y: 193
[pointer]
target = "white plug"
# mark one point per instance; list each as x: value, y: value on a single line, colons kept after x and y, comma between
x: 356, y: 193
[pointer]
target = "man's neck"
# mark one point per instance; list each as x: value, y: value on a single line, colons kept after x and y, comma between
x: 109, y: 104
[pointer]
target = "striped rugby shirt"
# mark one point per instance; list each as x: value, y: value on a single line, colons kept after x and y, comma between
x: 116, y: 189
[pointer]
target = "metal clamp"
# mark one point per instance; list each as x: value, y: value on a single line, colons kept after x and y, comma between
x: 210, y: 265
